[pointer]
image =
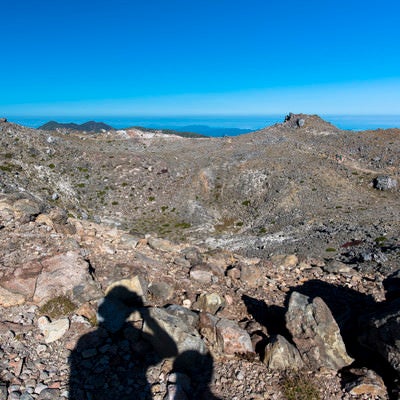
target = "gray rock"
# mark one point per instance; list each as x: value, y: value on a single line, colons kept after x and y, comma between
x: 2, y: 120
x: 15, y: 395
x: 52, y: 331
x: 3, y: 391
x: 316, y: 333
x: 162, y: 245
x: 201, y: 273
x: 49, y: 394
x: 169, y: 334
x: 300, y: 122
x: 209, y: 302
x: 282, y: 355
x: 367, y: 383
x: 251, y: 274
x: 384, y: 182
x: 337, y: 267
x: 25, y: 396
x: 190, y: 317
x: 161, y: 291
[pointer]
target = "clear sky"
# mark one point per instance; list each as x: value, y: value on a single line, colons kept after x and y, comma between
x: 171, y: 57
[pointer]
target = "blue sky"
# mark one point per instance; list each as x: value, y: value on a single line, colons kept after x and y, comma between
x: 171, y: 57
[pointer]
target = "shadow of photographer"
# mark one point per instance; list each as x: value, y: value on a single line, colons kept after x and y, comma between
x: 112, y: 362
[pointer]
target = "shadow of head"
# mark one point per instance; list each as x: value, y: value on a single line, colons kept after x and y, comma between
x: 116, y: 307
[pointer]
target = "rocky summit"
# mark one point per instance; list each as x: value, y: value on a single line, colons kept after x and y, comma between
x: 138, y: 265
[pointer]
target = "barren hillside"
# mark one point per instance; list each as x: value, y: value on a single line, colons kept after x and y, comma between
x: 145, y: 266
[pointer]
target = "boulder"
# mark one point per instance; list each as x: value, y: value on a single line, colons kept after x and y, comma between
x: 201, y: 273
x: 316, y: 333
x: 169, y: 334
x: 135, y: 284
x: 211, y: 303
x: 162, y: 245
x: 367, y: 383
x: 384, y: 182
x: 112, y: 313
x: 161, y: 291
x: 53, y: 331
x: 64, y: 274
x: 231, y: 339
x: 251, y: 275
x: 285, y: 261
x: 300, y: 122
x: 190, y: 317
x: 282, y: 355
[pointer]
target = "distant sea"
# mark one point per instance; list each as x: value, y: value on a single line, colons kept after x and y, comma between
x: 199, y: 123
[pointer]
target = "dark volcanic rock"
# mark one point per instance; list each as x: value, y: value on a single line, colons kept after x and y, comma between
x: 381, y: 333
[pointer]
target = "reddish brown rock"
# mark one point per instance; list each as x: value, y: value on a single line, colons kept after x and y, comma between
x: 66, y: 274
x: 232, y: 339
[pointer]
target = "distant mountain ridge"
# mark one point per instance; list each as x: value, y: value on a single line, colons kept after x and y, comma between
x: 192, y: 131
x: 90, y: 126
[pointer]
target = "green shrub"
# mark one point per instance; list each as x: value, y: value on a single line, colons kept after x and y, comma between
x: 299, y: 386
x: 52, y: 166
x: 6, y: 168
x: 380, y: 240
x: 58, y: 307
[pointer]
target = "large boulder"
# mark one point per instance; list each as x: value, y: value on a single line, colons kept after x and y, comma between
x: 384, y: 182
x: 316, y: 333
x: 62, y: 274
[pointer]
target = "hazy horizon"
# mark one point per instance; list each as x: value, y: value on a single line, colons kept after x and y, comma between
x: 351, y: 122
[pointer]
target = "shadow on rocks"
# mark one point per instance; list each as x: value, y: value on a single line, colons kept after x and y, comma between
x: 350, y: 309
x: 111, y: 362
x: 191, y: 375
x: 347, y: 306
x: 271, y: 317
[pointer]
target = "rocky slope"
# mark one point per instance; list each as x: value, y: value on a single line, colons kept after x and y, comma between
x: 269, y: 289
